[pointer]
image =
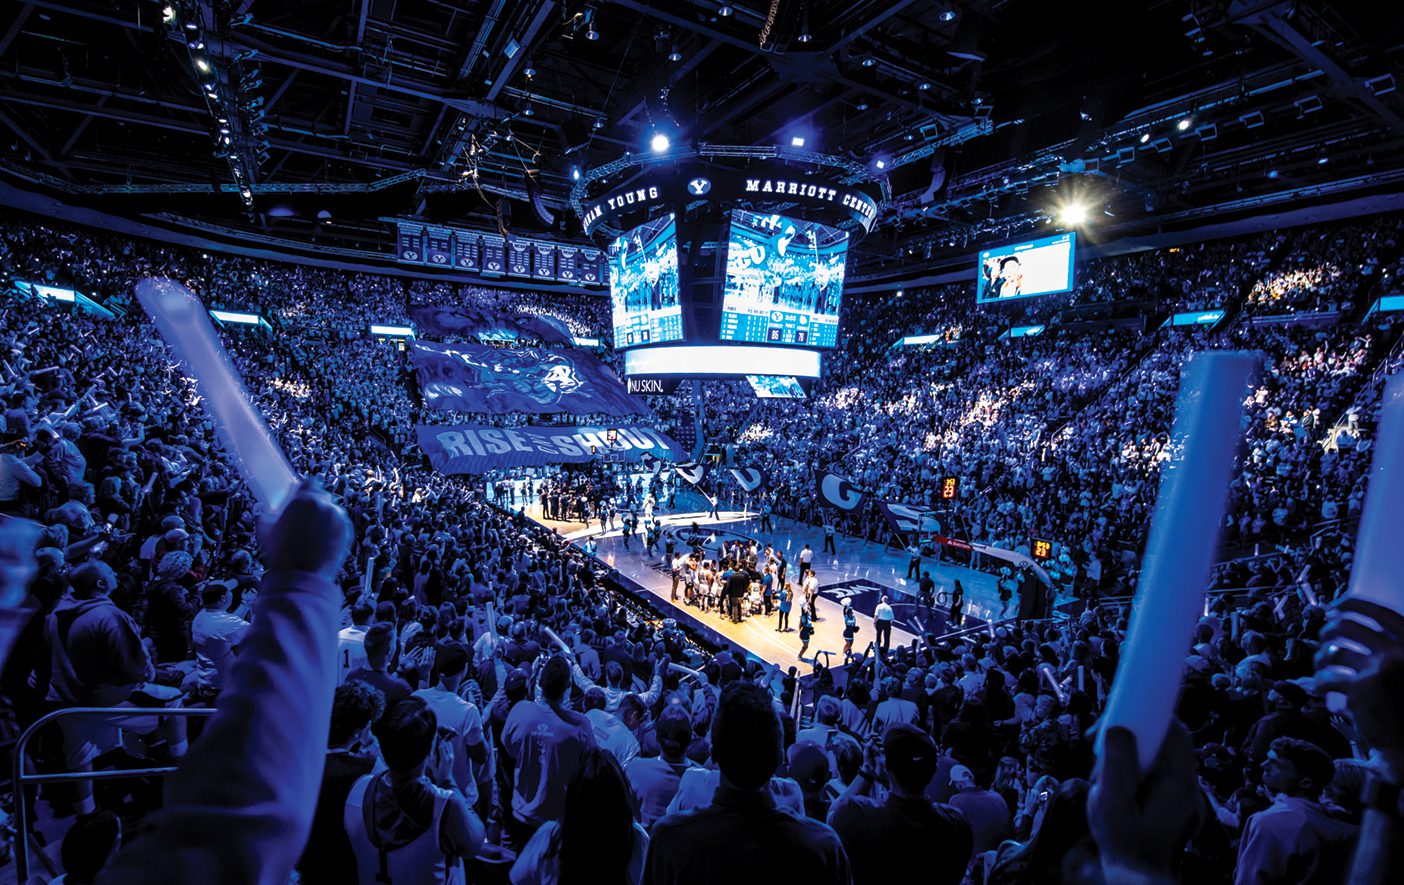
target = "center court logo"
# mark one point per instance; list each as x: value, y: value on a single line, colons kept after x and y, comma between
x: 699, y: 187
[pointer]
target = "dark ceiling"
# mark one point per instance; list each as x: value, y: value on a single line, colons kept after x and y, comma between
x: 478, y: 110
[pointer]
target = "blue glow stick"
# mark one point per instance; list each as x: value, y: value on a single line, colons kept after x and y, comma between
x: 1184, y: 536
x: 186, y: 328
x: 1379, y: 555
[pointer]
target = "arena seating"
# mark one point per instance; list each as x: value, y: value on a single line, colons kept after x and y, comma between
x: 1058, y: 436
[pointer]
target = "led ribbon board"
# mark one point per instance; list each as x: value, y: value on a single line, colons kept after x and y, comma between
x: 760, y: 186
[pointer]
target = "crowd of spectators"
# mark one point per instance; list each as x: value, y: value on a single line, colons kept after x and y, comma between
x: 494, y: 707
x: 1060, y: 435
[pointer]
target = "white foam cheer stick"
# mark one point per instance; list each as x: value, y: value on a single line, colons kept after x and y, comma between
x: 1184, y: 535
x: 187, y: 330
x: 1379, y: 556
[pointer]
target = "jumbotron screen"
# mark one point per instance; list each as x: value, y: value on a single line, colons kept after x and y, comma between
x: 784, y: 281
x: 1038, y: 267
x: 643, y: 284
x: 776, y: 386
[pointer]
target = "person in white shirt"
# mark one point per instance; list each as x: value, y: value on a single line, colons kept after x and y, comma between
x: 216, y: 635
x: 806, y: 557
x: 351, y: 641
x: 615, y: 733
x: 677, y: 569
x: 459, y: 716
x: 894, y: 709
x: 882, y: 624
x: 811, y: 594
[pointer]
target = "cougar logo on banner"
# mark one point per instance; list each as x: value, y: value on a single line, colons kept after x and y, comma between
x: 691, y: 471
x: 750, y: 478
x: 838, y: 492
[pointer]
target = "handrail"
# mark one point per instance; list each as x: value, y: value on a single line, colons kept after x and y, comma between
x: 1216, y: 591
x: 21, y: 779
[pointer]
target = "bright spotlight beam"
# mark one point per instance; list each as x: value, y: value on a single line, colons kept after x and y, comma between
x: 1073, y: 213
x: 660, y: 143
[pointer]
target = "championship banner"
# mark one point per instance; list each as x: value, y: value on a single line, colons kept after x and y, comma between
x: 465, y: 322
x: 838, y: 492
x: 494, y: 255
x: 471, y: 448
x: 906, y: 520
x: 499, y: 380
x: 519, y: 258
x: 410, y: 242
x: 749, y: 478
x: 438, y: 246
x: 692, y: 471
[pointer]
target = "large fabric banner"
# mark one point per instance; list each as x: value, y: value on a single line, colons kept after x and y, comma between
x: 471, y: 448
x: 498, y: 380
x: 906, y: 519
x: 692, y: 471
x: 477, y: 322
x: 838, y: 492
x: 749, y: 478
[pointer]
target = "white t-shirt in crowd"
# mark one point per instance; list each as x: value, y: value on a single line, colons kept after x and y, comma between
x: 350, y: 651
x: 463, y: 719
x: 613, y: 735
x: 215, y: 635
x: 698, y: 785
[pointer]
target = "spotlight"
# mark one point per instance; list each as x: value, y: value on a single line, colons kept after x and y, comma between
x: 797, y: 141
x: 1183, y: 124
x: 924, y: 86
x: 805, y: 36
x: 948, y: 16
x: 1073, y: 214
x: 530, y: 71
x: 880, y: 164
x: 528, y: 110
x: 598, y: 124
x: 659, y: 143
x: 725, y: 10
x: 191, y: 26
x: 899, y: 293
x: 167, y: 14
x: 575, y: 173
x: 591, y: 33
x: 862, y: 104
x: 1145, y: 137
x: 868, y: 61
x: 1322, y: 160
x: 674, y: 55
x: 202, y: 65
x: 1272, y: 173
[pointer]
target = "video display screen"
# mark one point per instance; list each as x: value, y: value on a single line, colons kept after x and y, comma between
x: 776, y: 386
x: 784, y: 281
x: 643, y: 284
x: 1039, y: 267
